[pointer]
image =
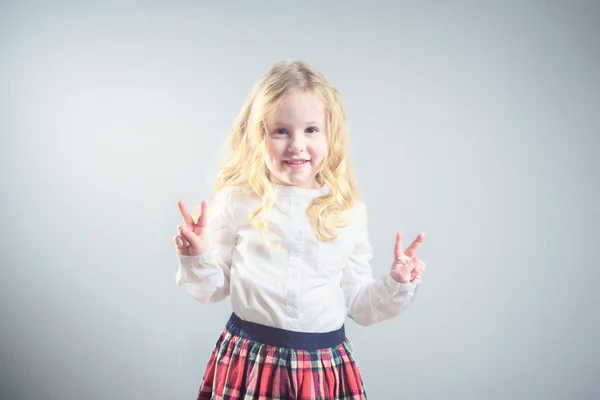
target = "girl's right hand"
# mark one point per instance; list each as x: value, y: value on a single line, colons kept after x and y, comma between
x: 191, y: 238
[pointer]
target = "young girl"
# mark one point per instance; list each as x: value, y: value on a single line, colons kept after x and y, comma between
x: 287, y: 241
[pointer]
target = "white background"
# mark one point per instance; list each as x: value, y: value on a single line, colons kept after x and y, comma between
x: 475, y: 122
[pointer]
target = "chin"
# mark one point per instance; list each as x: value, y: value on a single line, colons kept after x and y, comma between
x: 295, y: 182
x: 299, y: 178
x: 307, y: 183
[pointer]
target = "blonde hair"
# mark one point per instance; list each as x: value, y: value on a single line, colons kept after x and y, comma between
x: 247, y: 144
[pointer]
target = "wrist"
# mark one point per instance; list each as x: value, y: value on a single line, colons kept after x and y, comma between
x: 400, y: 279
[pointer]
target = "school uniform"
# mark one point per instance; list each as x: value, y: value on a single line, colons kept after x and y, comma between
x: 285, y: 338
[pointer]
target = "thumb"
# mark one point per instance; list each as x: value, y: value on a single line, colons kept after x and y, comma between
x: 190, y: 236
x: 196, y: 241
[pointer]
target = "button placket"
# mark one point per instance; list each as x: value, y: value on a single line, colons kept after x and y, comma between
x: 293, y: 284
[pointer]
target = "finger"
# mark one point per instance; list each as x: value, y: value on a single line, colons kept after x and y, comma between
x: 415, y: 272
x: 187, y: 218
x: 418, y: 272
x: 202, y: 218
x: 185, y: 241
x: 413, y: 264
x: 398, y: 247
x: 188, y: 236
x: 181, y: 233
x: 414, y: 246
x: 178, y: 241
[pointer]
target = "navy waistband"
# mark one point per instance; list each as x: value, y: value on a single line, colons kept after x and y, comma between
x: 284, y: 338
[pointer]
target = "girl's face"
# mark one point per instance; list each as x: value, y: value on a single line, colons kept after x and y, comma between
x: 297, y: 142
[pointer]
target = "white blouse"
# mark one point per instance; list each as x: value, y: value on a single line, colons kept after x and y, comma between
x: 305, y: 285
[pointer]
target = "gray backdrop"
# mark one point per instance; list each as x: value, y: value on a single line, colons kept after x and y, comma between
x: 475, y: 122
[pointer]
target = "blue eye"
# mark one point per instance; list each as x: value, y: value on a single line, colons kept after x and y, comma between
x: 280, y: 132
x: 312, y: 129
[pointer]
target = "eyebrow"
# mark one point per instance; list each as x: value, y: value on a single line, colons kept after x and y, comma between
x: 308, y: 123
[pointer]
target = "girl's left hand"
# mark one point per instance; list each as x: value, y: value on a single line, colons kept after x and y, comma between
x: 406, y: 267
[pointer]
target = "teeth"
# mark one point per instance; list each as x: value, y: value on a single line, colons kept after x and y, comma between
x: 296, y: 162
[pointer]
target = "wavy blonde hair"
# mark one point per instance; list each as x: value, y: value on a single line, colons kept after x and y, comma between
x: 247, y: 145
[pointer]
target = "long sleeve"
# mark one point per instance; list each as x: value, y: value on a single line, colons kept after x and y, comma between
x: 206, y: 277
x: 371, y: 300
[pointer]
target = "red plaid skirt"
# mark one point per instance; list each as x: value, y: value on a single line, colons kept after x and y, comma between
x: 251, y: 361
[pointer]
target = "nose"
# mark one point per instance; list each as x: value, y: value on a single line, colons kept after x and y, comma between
x: 297, y: 144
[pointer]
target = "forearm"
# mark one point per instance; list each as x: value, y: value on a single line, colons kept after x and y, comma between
x: 202, y: 278
x: 379, y: 299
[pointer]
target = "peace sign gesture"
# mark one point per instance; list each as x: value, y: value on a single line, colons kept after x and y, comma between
x: 406, y: 267
x: 191, y: 238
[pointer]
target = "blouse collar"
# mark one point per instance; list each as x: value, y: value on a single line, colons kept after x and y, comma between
x: 300, y: 191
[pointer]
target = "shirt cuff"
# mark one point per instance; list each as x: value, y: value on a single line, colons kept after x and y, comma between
x: 208, y: 257
x: 397, y: 287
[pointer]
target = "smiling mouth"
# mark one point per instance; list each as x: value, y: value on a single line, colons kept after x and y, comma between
x: 296, y: 162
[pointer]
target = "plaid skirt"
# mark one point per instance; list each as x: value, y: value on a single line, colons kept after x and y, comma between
x: 256, y: 362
